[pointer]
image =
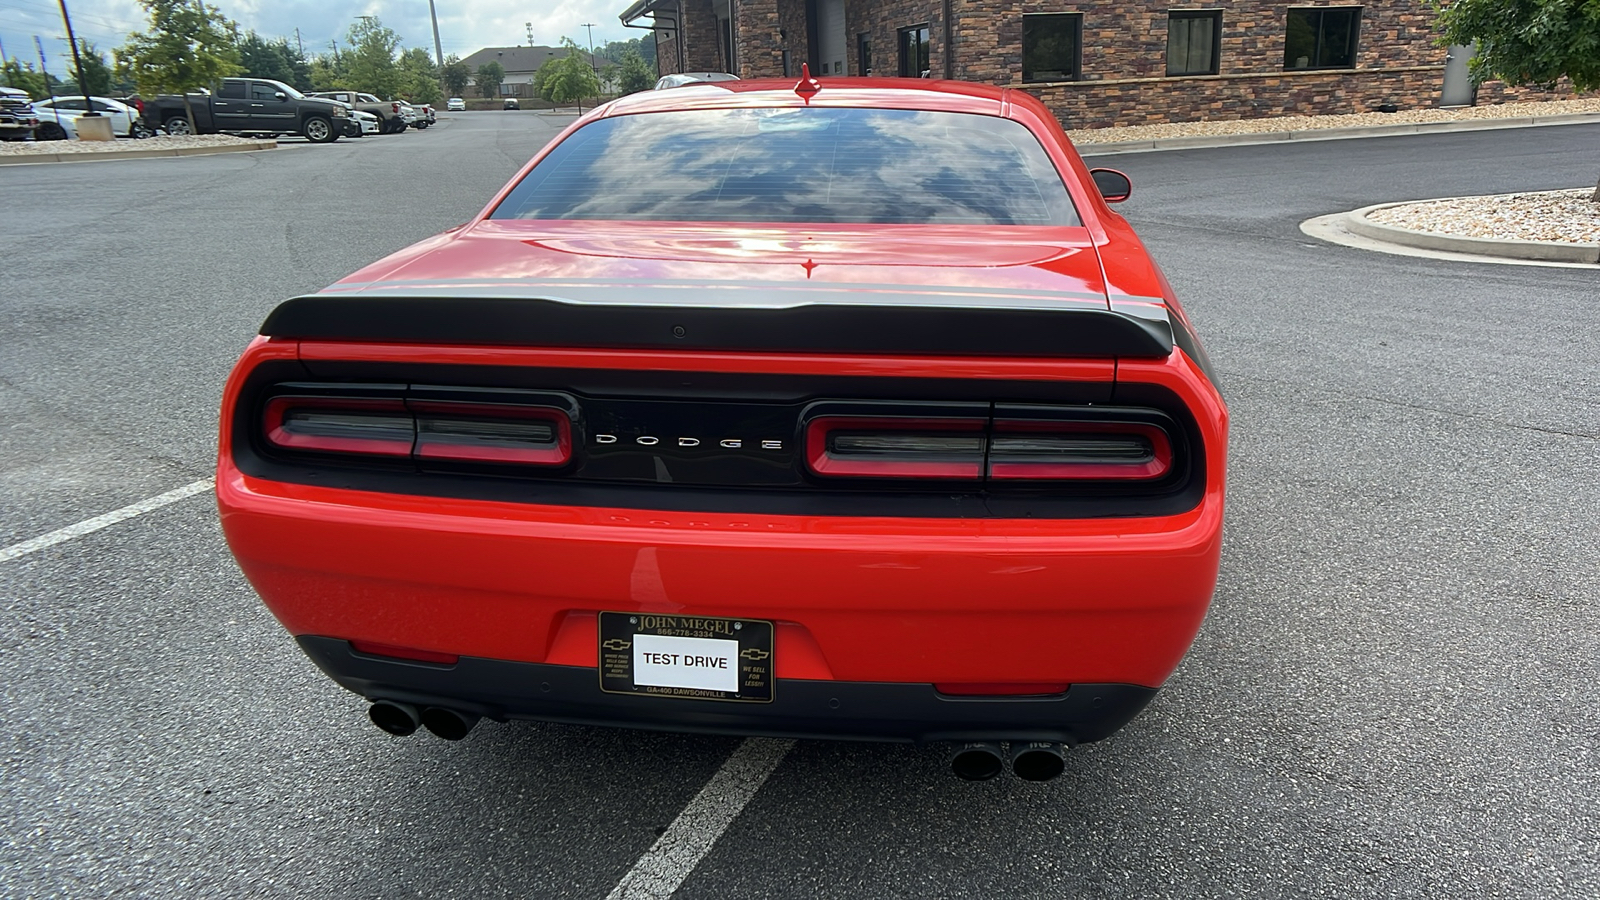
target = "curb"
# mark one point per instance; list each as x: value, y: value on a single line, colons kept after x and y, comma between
x: 1545, y: 251
x: 25, y: 159
x: 1332, y: 134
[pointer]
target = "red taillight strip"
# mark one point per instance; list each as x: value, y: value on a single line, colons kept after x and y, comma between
x: 1158, y: 465
x: 501, y: 449
x: 822, y: 460
x: 280, y: 434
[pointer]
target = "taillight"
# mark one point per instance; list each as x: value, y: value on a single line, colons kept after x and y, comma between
x: 865, y: 447
x: 370, y: 426
x: 493, y: 433
x: 433, y: 424
x: 1122, y: 451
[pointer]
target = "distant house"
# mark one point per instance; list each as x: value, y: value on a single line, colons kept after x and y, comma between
x: 1095, y: 63
x: 520, y: 64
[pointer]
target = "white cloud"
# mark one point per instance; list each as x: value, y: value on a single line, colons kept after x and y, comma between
x: 464, y: 25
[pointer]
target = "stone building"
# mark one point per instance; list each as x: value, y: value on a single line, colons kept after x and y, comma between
x: 1095, y: 63
x: 521, y: 64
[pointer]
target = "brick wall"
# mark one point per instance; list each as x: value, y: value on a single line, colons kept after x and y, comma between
x: 883, y: 22
x: 760, y: 49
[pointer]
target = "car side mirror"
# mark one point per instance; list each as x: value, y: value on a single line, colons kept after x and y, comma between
x: 1114, y: 186
x: 279, y: 95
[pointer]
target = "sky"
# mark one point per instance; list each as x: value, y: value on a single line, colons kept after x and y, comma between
x: 464, y: 25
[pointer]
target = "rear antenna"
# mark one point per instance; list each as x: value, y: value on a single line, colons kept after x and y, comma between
x: 808, y: 86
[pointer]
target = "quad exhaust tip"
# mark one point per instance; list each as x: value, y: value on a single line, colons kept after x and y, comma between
x: 1029, y: 760
x: 399, y: 719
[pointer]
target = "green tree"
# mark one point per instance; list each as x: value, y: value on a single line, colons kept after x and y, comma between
x: 455, y: 75
x: 488, y: 79
x: 635, y: 74
x: 419, y: 77
x: 22, y: 77
x: 1528, y: 42
x: 370, y: 61
x: 96, y: 71
x: 187, y: 45
x: 569, y: 78
x: 327, y: 74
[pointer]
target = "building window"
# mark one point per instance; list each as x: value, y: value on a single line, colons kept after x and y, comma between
x: 1052, y: 45
x: 864, y: 54
x: 1193, y: 41
x: 1322, y: 37
x: 914, y: 52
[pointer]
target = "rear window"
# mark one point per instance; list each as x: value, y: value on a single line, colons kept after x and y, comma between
x: 885, y: 166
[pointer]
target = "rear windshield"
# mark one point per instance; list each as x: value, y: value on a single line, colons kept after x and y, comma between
x: 809, y: 164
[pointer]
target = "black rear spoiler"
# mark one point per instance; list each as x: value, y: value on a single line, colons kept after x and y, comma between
x: 953, y: 321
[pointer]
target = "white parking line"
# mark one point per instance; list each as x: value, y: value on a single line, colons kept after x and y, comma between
x: 61, y: 535
x: 664, y: 866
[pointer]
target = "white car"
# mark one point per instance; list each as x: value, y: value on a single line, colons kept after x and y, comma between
x: 58, y: 118
x: 370, y: 124
x: 455, y: 104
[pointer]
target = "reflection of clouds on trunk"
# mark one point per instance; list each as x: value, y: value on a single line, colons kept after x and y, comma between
x: 798, y: 165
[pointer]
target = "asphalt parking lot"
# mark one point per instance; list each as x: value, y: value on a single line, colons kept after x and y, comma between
x: 1393, y: 695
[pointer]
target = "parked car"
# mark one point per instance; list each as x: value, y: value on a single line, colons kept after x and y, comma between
x: 364, y: 123
x: 511, y: 103
x: 683, y: 78
x: 455, y: 104
x: 58, y: 118
x: 18, y: 122
x: 425, y: 114
x: 250, y: 106
x: 387, y: 111
x: 805, y: 434
x: 409, y: 114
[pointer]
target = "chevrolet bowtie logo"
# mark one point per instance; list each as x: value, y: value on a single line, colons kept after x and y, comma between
x: 755, y: 653
x: 616, y: 644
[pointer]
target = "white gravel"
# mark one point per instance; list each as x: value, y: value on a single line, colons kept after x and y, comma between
x: 1353, y: 120
x: 161, y: 142
x: 1568, y: 216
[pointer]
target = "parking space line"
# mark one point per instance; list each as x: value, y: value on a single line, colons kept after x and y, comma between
x: 87, y: 526
x: 691, y: 835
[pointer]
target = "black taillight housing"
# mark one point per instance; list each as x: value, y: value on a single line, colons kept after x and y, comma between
x: 425, y: 424
x: 1004, y: 443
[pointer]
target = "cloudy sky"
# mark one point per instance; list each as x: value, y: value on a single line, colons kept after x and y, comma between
x: 464, y: 25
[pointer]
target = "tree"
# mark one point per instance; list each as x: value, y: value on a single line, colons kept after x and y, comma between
x: 419, y: 77
x: 488, y: 79
x: 1528, y: 42
x: 22, y: 77
x: 455, y: 75
x: 187, y: 45
x: 568, y: 78
x: 635, y: 74
x: 274, y: 59
x: 370, y: 60
x: 327, y: 74
x: 96, y: 73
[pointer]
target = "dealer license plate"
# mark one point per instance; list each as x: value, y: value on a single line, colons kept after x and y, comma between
x: 686, y: 656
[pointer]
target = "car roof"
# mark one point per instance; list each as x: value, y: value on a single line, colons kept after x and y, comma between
x: 894, y: 93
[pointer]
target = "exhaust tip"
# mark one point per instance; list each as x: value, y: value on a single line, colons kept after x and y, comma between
x: 399, y: 719
x: 976, y: 761
x: 447, y: 723
x: 1038, y: 760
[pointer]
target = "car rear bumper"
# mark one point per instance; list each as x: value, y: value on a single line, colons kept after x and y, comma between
x: 830, y: 710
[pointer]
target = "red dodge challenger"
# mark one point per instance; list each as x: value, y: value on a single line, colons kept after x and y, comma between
x: 837, y: 410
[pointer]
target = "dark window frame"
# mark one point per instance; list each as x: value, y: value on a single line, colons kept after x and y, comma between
x: 864, y: 54
x: 1073, y: 74
x: 1318, y: 13
x: 924, y: 50
x: 1190, y: 15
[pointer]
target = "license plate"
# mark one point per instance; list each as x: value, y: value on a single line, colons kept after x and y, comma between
x: 686, y: 656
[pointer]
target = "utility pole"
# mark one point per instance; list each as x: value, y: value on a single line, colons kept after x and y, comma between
x: 438, y: 50
x: 42, y: 69
x: 529, y: 27
x: 596, y: 68
x: 3, y: 60
x: 77, y: 61
x: 298, y: 43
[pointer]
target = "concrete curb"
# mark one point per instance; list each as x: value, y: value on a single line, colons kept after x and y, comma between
x: 1333, y: 134
x: 1547, y: 251
x: 25, y: 159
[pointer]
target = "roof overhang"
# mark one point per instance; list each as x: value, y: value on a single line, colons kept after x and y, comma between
x: 651, y: 8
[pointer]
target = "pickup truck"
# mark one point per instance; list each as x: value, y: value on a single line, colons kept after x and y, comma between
x: 250, y: 106
x: 17, y: 117
x: 391, y: 121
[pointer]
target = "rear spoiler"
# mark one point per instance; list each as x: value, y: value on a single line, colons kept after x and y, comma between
x: 875, y: 320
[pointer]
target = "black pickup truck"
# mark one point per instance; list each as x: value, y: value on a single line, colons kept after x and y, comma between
x: 250, y: 106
